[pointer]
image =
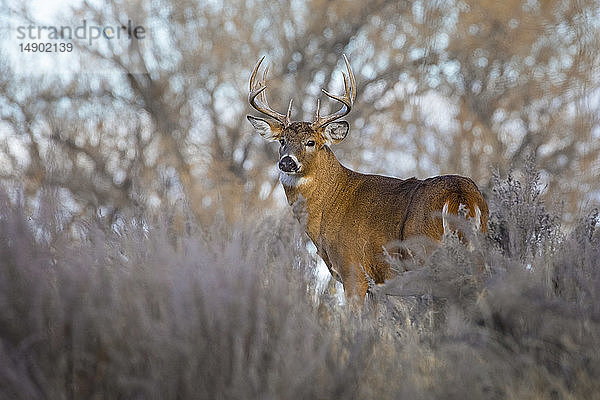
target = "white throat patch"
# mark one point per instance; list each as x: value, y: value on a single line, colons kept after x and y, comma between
x: 292, y: 180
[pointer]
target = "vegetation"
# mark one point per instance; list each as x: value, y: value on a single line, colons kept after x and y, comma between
x: 160, y: 307
x: 443, y: 87
x: 146, y: 250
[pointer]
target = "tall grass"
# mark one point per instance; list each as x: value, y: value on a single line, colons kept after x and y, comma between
x: 157, y: 307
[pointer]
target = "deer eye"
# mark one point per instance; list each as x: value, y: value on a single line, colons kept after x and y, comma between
x: 310, y: 143
x: 282, y: 141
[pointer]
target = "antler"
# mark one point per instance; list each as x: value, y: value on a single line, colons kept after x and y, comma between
x: 347, y: 100
x: 262, y: 104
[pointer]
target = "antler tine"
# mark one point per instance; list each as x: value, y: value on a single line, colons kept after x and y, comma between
x: 262, y: 105
x: 352, y: 79
x: 263, y: 96
x: 347, y: 99
x: 254, y: 71
x: 288, y: 116
x: 345, y: 83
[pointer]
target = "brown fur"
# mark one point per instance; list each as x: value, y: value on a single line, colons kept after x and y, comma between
x: 351, y: 216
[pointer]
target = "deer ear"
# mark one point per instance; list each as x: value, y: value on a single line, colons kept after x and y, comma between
x: 269, y: 130
x: 335, y: 132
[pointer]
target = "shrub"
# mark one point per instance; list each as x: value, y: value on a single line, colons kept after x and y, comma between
x: 156, y: 306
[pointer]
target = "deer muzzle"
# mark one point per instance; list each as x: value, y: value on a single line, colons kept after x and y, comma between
x: 288, y: 164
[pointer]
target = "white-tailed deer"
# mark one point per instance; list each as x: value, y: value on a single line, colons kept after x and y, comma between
x: 350, y: 216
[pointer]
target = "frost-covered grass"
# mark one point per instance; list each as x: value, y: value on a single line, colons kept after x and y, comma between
x: 159, y: 307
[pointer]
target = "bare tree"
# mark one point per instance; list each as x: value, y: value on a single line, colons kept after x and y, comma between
x: 442, y: 88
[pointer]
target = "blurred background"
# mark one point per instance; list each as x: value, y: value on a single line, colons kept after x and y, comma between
x: 443, y: 87
x: 146, y: 248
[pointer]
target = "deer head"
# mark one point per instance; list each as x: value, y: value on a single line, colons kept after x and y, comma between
x: 300, y: 141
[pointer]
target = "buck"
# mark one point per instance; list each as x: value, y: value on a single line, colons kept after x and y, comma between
x: 351, y: 216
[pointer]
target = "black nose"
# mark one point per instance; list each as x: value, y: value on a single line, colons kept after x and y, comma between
x: 287, y: 164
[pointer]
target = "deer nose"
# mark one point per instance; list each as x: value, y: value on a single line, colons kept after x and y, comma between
x: 287, y: 164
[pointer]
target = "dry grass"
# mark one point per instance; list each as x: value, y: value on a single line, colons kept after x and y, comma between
x: 153, y: 307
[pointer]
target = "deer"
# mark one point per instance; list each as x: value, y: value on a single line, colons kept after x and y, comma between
x: 350, y: 216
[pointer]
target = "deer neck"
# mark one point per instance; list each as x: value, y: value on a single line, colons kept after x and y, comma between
x: 310, y: 193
